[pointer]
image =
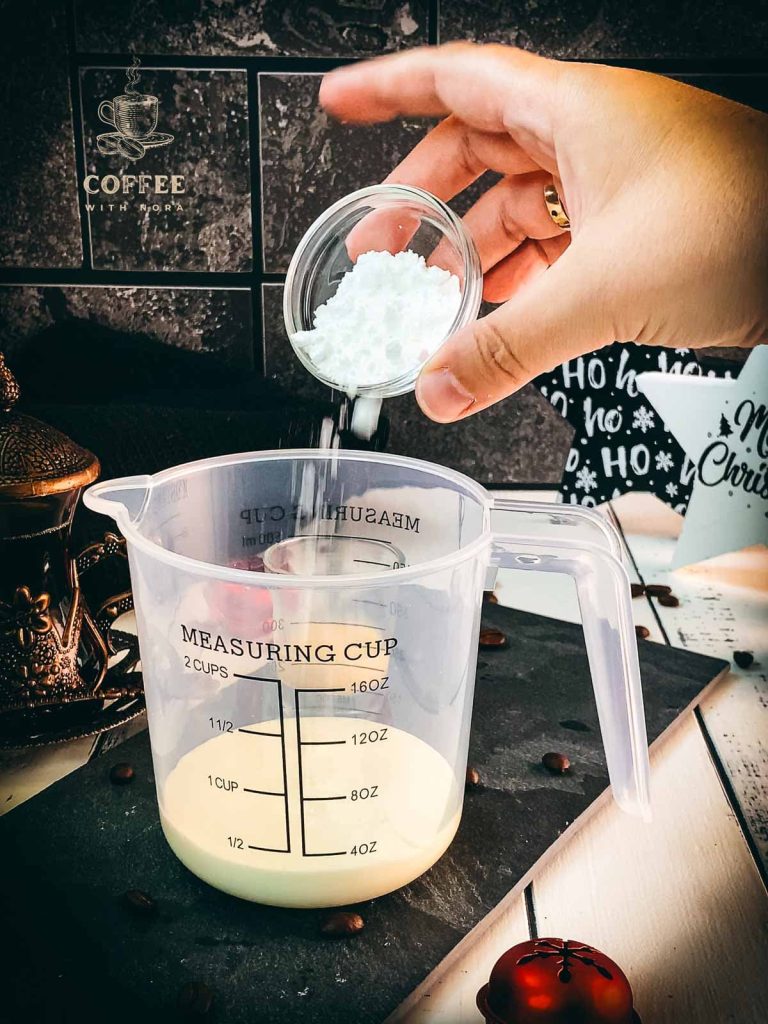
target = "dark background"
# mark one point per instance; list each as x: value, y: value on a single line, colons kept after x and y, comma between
x: 237, y: 84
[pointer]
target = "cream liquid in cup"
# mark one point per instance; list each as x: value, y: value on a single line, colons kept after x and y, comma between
x: 399, y: 812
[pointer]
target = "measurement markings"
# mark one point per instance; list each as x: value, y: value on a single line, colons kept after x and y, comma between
x: 285, y: 770
x: 331, y: 622
x: 275, y: 735
x: 259, y: 679
x: 304, y: 799
x: 367, y: 561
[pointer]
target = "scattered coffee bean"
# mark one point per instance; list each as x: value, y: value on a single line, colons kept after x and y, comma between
x: 668, y: 601
x: 121, y: 773
x: 489, y: 597
x: 473, y: 777
x: 342, y: 923
x: 195, y: 999
x: 140, y: 902
x: 642, y: 632
x: 657, y: 589
x: 638, y: 589
x: 558, y: 764
x: 490, y: 638
x: 743, y: 658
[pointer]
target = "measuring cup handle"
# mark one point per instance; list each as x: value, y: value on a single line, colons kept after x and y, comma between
x: 581, y: 523
x: 604, y: 599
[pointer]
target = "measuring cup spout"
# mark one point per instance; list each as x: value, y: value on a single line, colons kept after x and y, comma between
x: 122, y: 499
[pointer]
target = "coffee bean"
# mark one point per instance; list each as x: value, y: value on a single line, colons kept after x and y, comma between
x: 657, y: 589
x: 131, y: 149
x: 558, y: 764
x: 195, y: 999
x: 342, y: 923
x: 642, y: 632
x: 490, y: 638
x: 139, y: 902
x: 743, y: 658
x: 121, y: 773
x: 668, y: 601
x: 472, y: 777
x: 489, y: 597
x: 638, y: 589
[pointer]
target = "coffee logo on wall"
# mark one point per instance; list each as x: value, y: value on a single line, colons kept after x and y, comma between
x: 133, y: 116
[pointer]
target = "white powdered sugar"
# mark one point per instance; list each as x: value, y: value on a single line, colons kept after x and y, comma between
x: 387, y: 317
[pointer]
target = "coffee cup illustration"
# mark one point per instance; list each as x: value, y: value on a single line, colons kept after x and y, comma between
x: 133, y: 114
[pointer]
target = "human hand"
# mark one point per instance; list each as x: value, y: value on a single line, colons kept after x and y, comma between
x: 664, y: 186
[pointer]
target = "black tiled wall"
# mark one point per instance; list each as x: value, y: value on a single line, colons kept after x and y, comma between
x: 207, y: 227
x: 214, y: 320
x: 39, y: 224
x: 236, y: 84
x: 600, y: 29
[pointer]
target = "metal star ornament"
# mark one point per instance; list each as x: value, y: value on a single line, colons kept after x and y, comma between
x: 621, y: 443
x: 722, y: 424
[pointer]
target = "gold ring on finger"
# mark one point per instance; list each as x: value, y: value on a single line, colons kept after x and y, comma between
x: 555, y: 207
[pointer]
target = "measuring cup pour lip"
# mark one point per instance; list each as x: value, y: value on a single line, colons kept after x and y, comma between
x: 97, y: 499
x: 309, y: 255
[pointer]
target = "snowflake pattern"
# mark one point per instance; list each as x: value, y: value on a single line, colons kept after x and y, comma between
x: 586, y: 479
x: 671, y: 489
x: 620, y: 442
x: 643, y: 419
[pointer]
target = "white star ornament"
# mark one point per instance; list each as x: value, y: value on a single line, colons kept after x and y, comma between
x: 722, y: 424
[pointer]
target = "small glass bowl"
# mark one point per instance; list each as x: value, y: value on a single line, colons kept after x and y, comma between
x: 401, y: 217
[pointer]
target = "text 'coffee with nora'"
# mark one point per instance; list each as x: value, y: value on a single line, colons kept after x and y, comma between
x: 133, y: 116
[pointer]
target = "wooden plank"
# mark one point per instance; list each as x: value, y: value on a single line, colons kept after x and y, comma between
x: 723, y: 608
x: 447, y: 995
x: 678, y: 903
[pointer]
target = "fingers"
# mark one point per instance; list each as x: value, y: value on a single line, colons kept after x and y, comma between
x: 491, y: 88
x: 561, y: 314
x: 522, y: 266
x: 383, y: 230
x: 453, y: 155
x: 508, y: 214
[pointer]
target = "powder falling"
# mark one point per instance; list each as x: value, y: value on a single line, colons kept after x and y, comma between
x: 387, y: 317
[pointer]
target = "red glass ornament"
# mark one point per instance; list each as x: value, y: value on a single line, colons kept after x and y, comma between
x: 556, y: 981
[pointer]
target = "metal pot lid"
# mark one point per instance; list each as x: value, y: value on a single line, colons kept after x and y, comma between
x: 36, y: 459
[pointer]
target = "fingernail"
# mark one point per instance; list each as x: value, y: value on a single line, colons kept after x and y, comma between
x: 441, y: 396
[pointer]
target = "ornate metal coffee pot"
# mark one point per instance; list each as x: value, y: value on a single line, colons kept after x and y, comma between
x: 53, y: 650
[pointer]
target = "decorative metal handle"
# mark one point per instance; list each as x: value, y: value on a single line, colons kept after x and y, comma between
x: 99, y: 622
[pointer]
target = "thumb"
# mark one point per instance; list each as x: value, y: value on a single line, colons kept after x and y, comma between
x: 563, y: 313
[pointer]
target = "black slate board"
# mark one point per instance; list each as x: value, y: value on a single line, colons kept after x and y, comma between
x: 73, y: 953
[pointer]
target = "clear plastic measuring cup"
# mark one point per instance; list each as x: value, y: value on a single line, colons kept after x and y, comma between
x: 308, y: 624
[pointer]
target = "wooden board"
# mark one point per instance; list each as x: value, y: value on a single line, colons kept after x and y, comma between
x: 723, y: 608
x: 73, y: 851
